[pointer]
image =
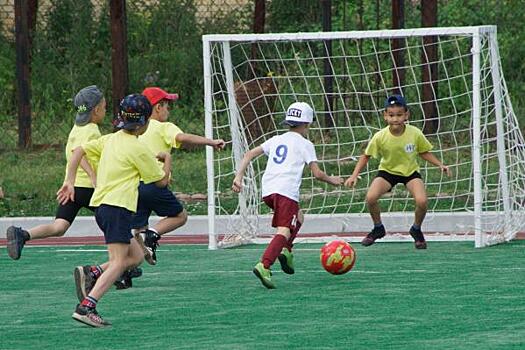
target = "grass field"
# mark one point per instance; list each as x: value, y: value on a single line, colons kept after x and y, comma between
x: 451, y: 296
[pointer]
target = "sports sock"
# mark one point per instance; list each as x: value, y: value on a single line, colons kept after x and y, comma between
x: 273, y: 250
x: 293, y: 234
x: 416, y: 227
x: 153, y: 230
x: 95, y: 271
x: 378, y: 225
x: 89, y: 302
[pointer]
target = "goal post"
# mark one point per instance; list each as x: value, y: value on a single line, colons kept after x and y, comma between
x: 250, y: 79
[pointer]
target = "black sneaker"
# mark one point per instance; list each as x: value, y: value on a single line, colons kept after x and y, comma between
x: 376, y: 233
x: 419, y: 239
x: 15, y: 241
x: 125, y: 280
x: 84, y: 282
x: 151, y: 240
x: 89, y: 316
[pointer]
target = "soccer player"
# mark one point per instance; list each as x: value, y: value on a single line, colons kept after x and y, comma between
x: 162, y: 136
x: 123, y: 161
x: 397, y: 146
x: 287, y: 154
x: 91, y: 108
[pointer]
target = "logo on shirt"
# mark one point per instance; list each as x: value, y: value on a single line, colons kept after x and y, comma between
x: 410, y: 148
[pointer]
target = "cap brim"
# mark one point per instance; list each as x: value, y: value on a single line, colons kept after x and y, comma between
x: 83, y: 118
x: 172, y: 97
x: 292, y: 123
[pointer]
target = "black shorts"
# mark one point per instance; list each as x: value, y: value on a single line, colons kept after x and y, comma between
x: 115, y: 222
x: 397, y: 179
x: 70, y: 210
x: 158, y: 199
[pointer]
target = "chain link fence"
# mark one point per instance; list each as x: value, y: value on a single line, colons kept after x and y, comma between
x: 72, y: 49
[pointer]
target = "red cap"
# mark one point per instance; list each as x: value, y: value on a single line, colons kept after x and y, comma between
x: 155, y: 95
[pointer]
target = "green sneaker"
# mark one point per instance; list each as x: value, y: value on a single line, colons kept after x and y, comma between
x: 286, y: 260
x: 264, y: 275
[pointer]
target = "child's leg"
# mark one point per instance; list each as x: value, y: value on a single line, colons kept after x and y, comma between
x: 378, y: 187
x: 121, y: 257
x: 295, y: 231
x: 279, y: 241
x: 171, y: 223
x: 55, y: 229
x: 416, y: 187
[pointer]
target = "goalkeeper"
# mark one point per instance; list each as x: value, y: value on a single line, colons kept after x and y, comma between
x: 397, y: 146
x: 287, y: 155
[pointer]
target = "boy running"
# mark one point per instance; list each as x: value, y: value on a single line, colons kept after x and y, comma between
x: 162, y: 136
x: 123, y: 161
x: 91, y: 108
x: 287, y: 155
x: 397, y: 146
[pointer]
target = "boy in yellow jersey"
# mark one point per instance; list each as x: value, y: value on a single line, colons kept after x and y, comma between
x: 162, y: 136
x: 91, y: 108
x: 397, y: 146
x: 123, y: 162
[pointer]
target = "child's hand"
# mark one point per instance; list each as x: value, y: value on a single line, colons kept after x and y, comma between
x: 446, y: 170
x: 218, y: 144
x: 237, y: 185
x: 66, y: 193
x: 162, y: 156
x: 335, y: 180
x: 351, y: 181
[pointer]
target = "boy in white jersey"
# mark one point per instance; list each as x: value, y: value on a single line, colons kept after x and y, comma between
x: 162, y: 136
x: 123, y: 162
x: 91, y: 108
x: 287, y: 155
x: 398, y: 146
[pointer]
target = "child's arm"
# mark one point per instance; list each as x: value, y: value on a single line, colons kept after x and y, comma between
x: 199, y: 140
x: 322, y: 176
x: 361, y: 163
x: 248, y: 156
x: 66, y: 193
x: 84, y: 164
x: 166, y: 159
x: 431, y: 158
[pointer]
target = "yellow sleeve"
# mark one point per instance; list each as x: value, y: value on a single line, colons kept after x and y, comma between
x: 94, y: 147
x: 148, y: 166
x: 422, y: 143
x: 373, y: 149
x: 169, y: 133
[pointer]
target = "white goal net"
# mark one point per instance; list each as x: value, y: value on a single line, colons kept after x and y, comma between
x: 454, y: 86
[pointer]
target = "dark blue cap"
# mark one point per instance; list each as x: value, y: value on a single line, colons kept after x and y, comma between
x: 395, y: 100
x: 135, y: 111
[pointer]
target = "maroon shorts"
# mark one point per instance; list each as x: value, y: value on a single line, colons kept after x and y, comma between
x: 285, y: 210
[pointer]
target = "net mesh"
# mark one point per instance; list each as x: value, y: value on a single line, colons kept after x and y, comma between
x: 345, y: 80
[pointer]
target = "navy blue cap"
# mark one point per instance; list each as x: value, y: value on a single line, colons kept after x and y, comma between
x: 395, y: 100
x: 135, y: 111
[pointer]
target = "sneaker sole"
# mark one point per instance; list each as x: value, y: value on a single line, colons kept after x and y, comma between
x: 263, y: 281
x: 80, y: 282
x: 86, y: 320
x: 148, y: 253
x: 12, y: 250
x: 284, y: 265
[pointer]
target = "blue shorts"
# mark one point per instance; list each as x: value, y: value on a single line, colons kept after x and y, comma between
x: 158, y: 199
x: 115, y: 222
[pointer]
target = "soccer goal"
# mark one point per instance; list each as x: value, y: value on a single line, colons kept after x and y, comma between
x: 454, y: 85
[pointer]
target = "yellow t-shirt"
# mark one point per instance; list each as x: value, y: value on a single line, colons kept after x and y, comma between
x: 398, y: 154
x: 160, y: 137
x: 123, y: 161
x: 77, y: 137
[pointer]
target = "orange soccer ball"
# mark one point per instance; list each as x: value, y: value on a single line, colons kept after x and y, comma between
x: 337, y: 257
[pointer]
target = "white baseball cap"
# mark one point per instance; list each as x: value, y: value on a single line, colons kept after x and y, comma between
x: 299, y: 113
